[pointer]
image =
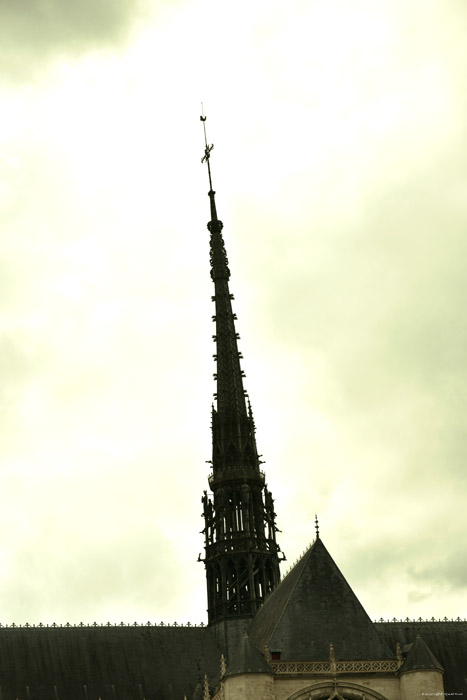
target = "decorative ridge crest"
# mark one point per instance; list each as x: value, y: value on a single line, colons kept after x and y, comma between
x: 60, y: 625
x: 420, y: 620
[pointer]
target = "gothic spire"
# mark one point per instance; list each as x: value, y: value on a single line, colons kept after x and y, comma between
x: 233, y: 428
x: 241, y: 553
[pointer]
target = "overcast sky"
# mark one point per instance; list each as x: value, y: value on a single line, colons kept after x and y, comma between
x: 341, y: 176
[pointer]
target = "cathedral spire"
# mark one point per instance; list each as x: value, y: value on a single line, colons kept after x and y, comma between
x: 241, y: 553
x: 231, y: 403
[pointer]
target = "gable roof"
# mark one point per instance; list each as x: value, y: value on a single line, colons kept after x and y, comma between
x: 314, y: 607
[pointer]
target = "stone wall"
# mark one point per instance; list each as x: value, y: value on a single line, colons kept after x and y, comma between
x: 249, y: 686
x: 422, y: 685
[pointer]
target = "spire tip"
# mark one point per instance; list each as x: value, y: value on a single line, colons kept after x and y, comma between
x: 207, y: 150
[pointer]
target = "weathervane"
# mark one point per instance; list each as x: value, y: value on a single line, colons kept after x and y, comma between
x: 208, y: 149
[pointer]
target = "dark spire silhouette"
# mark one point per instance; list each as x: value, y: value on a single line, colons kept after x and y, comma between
x: 231, y: 403
x: 242, y: 563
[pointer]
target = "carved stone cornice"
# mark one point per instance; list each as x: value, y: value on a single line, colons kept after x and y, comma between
x: 328, y: 667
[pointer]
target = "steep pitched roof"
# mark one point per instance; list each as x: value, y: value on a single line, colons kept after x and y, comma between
x: 247, y: 659
x: 111, y: 663
x: 420, y: 658
x: 312, y: 608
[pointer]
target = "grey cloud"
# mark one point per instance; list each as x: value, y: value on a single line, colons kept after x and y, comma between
x: 449, y: 570
x: 34, y: 31
x: 437, y: 566
x: 13, y: 359
x: 19, y: 359
x: 385, y: 302
x: 62, y: 586
x: 380, y: 562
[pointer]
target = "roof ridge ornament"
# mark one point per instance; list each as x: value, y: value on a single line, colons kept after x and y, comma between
x: 206, y: 694
x: 214, y: 223
x: 223, y: 666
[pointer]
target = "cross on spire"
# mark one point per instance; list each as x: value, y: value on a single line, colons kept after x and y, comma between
x: 208, y: 149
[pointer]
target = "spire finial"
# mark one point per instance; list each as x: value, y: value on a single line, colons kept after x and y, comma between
x: 316, y: 527
x: 206, y: 159
x: 208, y: 149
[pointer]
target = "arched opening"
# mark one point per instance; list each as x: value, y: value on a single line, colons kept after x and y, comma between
x: 258, y: 579
x: 340, y: 690
x: 270, y: 579
x: 232, y: 588
x: 244, y: 585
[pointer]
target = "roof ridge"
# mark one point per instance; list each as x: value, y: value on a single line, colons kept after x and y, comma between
x: 101, y: 625
x: 305, y: 551
x: 419, y: 620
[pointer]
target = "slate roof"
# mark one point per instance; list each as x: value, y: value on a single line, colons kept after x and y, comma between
x: 446, y: 640
x: 111, y: 663
x: 420, y: 658
x: 247, y: 659
x: 313, y: 607
x: 165, y: 663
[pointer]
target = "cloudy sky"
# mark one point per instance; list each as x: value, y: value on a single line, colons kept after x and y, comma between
x: 341, y: 172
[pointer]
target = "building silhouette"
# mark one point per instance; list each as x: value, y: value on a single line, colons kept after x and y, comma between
x: 306, y: 637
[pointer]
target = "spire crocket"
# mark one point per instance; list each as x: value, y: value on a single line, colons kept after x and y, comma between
x: 241, y: 552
